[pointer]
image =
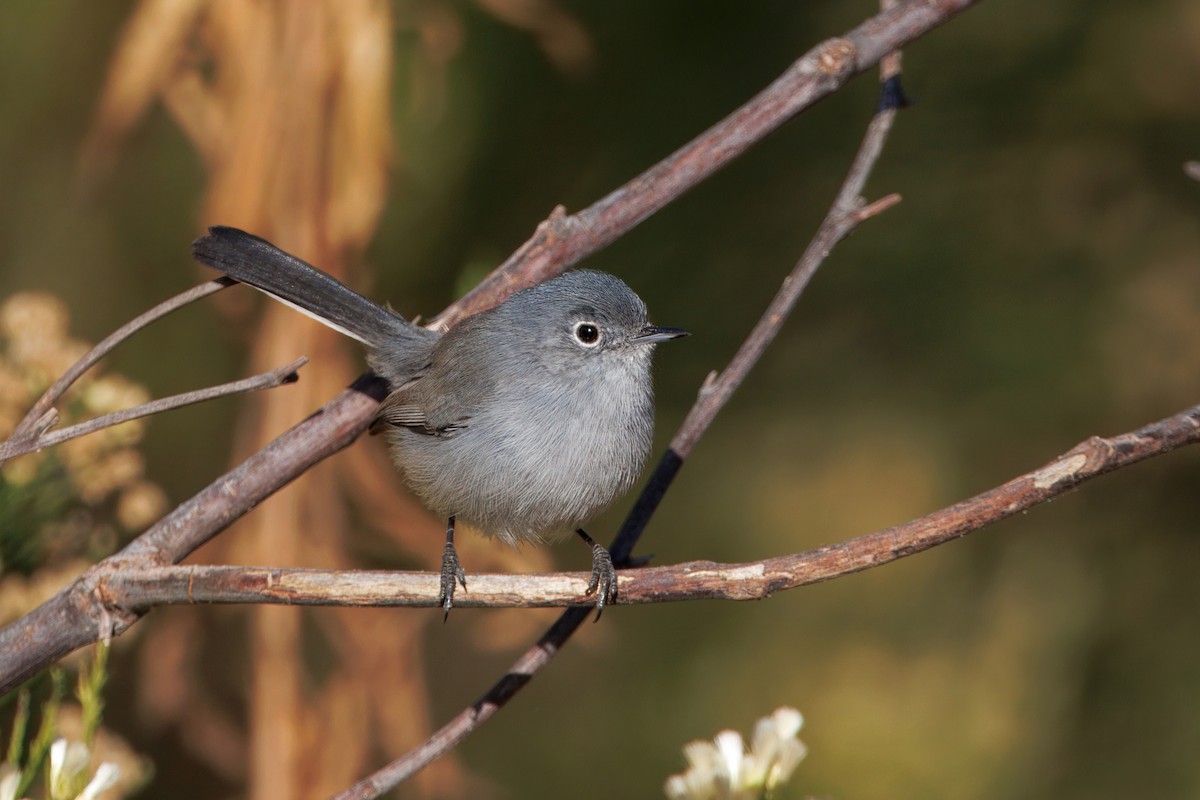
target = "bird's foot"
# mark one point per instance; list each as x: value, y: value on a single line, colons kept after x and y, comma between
x: 604, y: 579
x: 451, y: 571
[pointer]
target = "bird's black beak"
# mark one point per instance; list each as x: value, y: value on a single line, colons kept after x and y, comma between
x: 656, y: 333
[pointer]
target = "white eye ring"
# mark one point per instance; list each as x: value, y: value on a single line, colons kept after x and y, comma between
x: 587, y: 333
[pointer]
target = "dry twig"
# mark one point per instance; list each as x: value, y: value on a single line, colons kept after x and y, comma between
x: 42, y: 415
x: 39, y: 439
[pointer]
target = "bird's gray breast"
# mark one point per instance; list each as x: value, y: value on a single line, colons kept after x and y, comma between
x: 543, y: 450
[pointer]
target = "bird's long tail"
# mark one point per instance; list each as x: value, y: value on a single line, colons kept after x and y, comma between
x: 264, y: 266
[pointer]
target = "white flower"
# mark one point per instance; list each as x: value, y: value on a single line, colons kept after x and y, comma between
x: 68, y: 760
x: 713, y: 768
x: 68, y: 764
x: 723, y: 770
x: 10, y: 779
x: 775, y: 751
x: 106, y: 777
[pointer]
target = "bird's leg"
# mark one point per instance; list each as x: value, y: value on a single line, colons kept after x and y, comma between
x: 604, y: 575
x: 451, y: 570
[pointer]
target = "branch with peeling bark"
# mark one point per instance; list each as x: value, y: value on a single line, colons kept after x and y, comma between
x: 144, y: 588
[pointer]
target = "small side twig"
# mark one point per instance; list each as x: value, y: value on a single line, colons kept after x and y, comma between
x: 30, y: 444
x: 29, y: 426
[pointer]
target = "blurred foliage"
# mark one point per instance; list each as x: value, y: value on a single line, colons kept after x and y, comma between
x: 70, y: 755
x: 1037, y: 285
x: 78, y: 499
x: 59, y: 510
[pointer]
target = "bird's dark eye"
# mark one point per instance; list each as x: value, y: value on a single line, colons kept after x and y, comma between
x: 587, y: 333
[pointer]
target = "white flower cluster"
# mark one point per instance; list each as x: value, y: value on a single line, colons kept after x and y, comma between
x: 723, y: 770
x: 69, y: 763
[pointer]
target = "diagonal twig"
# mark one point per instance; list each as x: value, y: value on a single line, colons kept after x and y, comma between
x: 563, y: 240
x: 266, y: 380
x: 35, y: 420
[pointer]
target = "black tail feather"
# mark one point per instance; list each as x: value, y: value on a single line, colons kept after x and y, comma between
x: 264, y: 266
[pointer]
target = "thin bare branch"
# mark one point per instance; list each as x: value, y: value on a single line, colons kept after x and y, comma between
x: 847, y: 212
x: 891, y: 64
x: 266, y: 380
x: 562, y: 240
x: 30, y: 425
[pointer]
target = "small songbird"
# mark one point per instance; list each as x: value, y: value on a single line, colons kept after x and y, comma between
x: 523, y: 421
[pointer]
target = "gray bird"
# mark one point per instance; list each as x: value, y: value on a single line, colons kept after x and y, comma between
x: 523, y: 421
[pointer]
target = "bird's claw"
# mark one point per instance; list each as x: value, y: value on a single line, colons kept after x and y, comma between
x: 451, y: 571
x: 604, y: 579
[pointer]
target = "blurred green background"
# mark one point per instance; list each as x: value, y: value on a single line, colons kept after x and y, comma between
x: 1037, y: 285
